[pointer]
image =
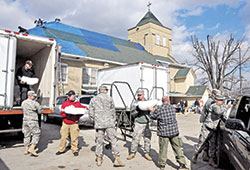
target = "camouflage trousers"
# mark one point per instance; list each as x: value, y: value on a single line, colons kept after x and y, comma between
x: 213, y: 144
x: 204, y: 137
x: 111, y: 134
x: 31, y: 132
x: 141, y: 130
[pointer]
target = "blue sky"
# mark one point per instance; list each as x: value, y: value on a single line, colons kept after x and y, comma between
x: 214, y: 20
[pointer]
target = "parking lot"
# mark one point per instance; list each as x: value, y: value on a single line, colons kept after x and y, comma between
x: 12, y: 157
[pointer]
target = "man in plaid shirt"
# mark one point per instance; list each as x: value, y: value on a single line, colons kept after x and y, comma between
x: 168, y: 132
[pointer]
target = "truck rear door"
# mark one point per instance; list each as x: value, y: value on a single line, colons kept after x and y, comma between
x: 7, y: 69
x: 162, y: 82
x: 147, y: 78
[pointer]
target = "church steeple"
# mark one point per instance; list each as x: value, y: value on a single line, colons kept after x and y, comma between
x: 152, y: 35
x: 149, y: 17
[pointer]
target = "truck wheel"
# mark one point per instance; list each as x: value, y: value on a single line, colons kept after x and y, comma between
x: 45, y: 118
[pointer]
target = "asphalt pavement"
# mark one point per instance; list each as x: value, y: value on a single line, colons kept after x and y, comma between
x: 12, y: 157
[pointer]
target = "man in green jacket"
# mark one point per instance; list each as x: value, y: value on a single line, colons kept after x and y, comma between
x: 141, y: 128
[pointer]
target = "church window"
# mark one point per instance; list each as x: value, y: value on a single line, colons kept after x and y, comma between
x: 158, y: 39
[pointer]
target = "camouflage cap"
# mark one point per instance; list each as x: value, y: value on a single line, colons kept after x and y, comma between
x: 215, y: 91
x: 102, y: 87
x: 32, y: 93
x: 139, y: 91
x: 219, y: 96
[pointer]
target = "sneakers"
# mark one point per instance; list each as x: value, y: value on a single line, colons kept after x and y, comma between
x: 182, y: 167
x: 148, y: 157
x: 131, y: 156
x: 75, y: 154
x: 59, y: 153
x: 194, y: 158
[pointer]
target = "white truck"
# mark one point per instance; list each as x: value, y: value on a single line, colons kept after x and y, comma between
x: 15, y: 49
x: 153, y: 79
x: 124, y: 81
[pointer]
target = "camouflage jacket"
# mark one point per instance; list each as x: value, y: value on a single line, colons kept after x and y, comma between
x: 31, y: 109
x: 102, y: 111
x: 215, y: 114
x: 205, y: 111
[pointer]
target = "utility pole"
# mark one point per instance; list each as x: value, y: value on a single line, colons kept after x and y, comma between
x: 240, y: 71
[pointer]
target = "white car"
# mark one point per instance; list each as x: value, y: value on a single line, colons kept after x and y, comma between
x: 84, y: 100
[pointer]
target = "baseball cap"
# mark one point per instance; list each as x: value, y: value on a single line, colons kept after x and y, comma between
x: 215, y: 91
x: 139, y: 92
x: 32, y: 93
x: 103, y: 87
x: 29, y: 62
x: 71, y: 92
x: 219, y: 96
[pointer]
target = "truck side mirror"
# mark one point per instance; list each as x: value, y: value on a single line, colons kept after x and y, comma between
x: 235, y: 124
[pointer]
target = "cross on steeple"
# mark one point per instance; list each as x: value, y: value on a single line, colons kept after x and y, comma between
x: 149, y: 4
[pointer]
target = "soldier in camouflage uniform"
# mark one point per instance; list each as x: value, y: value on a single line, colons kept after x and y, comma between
x: 31, y: 130
x: 203, y: 143
x: 141, y: 128
x: 102, y: 111
x: 218, y: 112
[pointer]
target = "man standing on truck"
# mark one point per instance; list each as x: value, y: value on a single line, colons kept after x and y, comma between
x: 31, y: 130
x: 102, y: 111
x: 167, y: 130
x: 70, y: 124
x: 28, y: 71
x: 141, y: 127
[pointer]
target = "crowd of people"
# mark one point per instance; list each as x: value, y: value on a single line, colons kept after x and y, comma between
x: 102, y: 111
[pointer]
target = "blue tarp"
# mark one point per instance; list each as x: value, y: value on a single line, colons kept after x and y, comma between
x: 38, y: 31
x: 98, y: 40
x: 67, y: 36
x: 63, y: 28
x: 139, y: 46
x: 70, y: 48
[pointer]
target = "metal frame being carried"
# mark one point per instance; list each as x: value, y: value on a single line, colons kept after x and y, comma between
x: 124, y: 119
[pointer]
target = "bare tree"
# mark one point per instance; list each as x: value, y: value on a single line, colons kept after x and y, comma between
x: 219, y: 62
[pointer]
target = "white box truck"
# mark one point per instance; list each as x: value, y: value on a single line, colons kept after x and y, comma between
x: 15, y: 49
x: 154, y: 79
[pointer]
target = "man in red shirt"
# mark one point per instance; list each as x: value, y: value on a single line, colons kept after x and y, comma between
x: 69, y: 125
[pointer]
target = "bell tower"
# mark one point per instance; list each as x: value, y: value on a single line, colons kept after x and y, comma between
x: 152, y: 35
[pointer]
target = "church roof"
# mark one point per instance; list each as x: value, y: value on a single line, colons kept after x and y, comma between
x: 149, y: 17
x: 78, y: 41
